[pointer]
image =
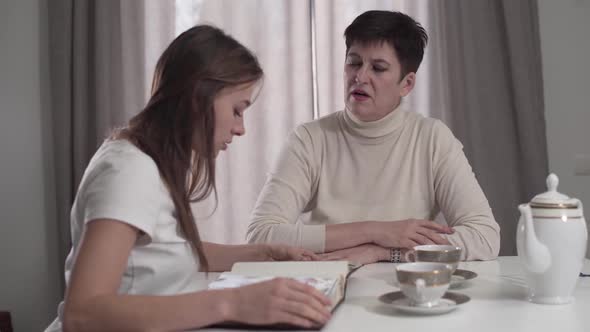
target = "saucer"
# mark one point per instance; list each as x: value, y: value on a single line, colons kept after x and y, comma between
x: 460, y: 277
x: 449, y: 302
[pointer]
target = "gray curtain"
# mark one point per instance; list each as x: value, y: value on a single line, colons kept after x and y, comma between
x: 492, y: 89
x: 102, y: 54
x: 481, y: 75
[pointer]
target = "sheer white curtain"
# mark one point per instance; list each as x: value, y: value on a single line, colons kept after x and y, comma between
x: 277, y: 31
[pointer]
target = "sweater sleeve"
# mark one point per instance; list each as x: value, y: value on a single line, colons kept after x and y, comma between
x: 287, y: 192
x: 461, y: 199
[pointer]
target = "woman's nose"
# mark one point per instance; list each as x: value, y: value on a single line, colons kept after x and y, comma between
x: 239, y: 129
x: 361, y: 75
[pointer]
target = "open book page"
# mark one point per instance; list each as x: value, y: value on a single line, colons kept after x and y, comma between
x: 231, y: 280
x: 292, y: 269
x: 327, y: 277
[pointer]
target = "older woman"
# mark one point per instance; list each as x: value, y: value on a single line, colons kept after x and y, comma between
x: 375, y: 175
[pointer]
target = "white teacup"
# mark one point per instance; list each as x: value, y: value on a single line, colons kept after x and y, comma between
x: 424, y: 283
x: 435, y: 253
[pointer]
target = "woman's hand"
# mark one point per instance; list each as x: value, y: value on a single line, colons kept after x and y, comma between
x: 278, y: 252
x: 280, y: 300
x: 363, y: 254
x: 409, y: 233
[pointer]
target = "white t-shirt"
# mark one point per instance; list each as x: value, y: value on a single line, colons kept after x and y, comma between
x: 123, y: 183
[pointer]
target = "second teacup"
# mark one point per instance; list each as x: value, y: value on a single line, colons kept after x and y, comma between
x: 436, y: 253
x: 424, y: 283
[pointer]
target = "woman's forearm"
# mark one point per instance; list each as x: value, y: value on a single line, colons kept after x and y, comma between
x: 149, y: 313
x: 363, y: 254
x: 310, y: 237
x: 479, y: 242
x: 348, y: 235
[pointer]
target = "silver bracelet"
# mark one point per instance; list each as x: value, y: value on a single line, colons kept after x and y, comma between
x: 395, y: 255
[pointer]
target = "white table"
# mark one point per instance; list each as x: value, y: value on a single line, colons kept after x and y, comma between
x: 498, y: 303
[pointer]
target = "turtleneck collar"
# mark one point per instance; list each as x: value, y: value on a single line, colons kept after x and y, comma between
x: 374, y: 129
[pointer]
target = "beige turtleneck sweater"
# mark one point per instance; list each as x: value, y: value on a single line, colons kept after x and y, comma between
x: 340, y: 169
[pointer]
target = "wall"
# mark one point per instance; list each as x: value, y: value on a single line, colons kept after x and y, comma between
x: 29, y: 270
x: 565, y: 45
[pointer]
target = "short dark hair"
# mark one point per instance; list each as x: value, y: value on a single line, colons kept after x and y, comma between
x: 407, y: 37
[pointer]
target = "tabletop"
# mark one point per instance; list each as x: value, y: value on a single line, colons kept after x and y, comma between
x: 498, y: 302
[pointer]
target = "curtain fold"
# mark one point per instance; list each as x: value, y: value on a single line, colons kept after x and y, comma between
x: 102, y: 56
x: 481, y: 75
x: 278, y: 32
x: 492, y: 98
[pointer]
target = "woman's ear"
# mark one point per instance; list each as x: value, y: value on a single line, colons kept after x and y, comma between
x: 407, y: 84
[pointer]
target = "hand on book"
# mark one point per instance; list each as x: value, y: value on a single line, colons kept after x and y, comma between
x: 363, y: 254
x: 278, y: 252
x: 280, y: 300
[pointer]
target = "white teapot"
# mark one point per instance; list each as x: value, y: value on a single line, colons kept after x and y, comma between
x: 551, y: 242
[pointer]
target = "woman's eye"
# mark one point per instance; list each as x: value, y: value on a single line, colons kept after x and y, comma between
x: 237, y: 113
x: 379, y: 69
x: 353, y: 63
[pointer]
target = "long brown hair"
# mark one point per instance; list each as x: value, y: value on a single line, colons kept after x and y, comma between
x: 177, y: 125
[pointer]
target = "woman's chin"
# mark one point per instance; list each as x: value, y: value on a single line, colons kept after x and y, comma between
x: 363, y: 113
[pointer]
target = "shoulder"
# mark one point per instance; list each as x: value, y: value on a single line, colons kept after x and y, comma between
x: 422, y: 122
x: 433, y: 130
x: 121, y: 156
x: 317, y: 129
x: 121, y: 183
x: 117, y: 166
x: 122, y: 153
x: 327, y: 123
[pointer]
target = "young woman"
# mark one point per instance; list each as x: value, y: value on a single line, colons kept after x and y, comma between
x: 136, y: 248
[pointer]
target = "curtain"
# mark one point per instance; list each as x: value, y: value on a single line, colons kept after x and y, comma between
x: 278, y: 32
x: 481, y: 75
x: 493, y: 93
x: 102, y: 55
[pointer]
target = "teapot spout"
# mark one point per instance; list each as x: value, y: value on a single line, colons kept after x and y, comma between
x: 537, y: 258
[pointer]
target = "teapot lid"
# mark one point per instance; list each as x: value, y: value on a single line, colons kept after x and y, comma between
x: 552, y: 199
